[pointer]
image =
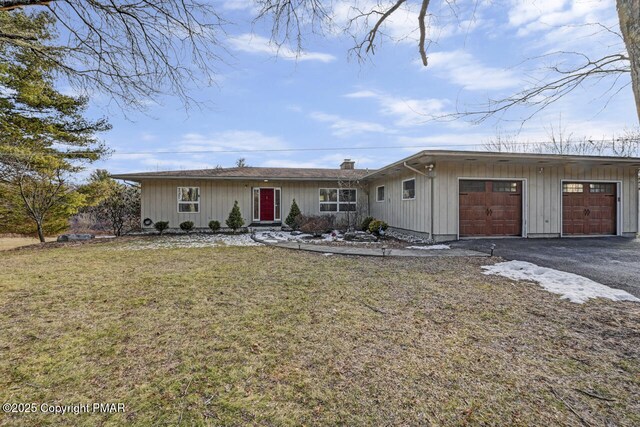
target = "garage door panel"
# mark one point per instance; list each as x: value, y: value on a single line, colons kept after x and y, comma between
x: 490, y: 208
x: 589, y: 208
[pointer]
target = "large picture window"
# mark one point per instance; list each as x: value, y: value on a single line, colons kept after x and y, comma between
x: 409, y: 189
x: 188, y: 199
x: 338, y: 199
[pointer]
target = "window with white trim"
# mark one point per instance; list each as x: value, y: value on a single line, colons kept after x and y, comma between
x: 380, y: 193
x: 337, y: 199
x: 409, y: 189
x: 188, y: 199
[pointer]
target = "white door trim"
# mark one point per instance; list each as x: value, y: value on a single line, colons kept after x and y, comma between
x: 275, y: 211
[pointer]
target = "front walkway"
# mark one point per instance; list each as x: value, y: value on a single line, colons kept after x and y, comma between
x: 378, y: 252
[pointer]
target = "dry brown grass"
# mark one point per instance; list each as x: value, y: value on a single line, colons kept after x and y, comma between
x: 19, y: 241
x: 265, y: 336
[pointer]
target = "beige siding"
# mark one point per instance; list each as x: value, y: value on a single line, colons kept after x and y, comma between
x: 411, y: 215
x: 159, y: 199
x: 542, y: 197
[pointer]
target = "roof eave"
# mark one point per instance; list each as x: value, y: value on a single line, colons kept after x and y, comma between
x: 621, y: 161
x: 139, y: 178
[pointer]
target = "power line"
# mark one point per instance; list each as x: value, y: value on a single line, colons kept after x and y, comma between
x: 384, y: 147
x: 488, y: 144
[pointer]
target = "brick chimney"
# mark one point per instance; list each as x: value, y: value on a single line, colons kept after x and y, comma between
x: 348, y: 164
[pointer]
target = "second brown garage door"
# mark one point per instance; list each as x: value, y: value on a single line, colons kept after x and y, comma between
x: 490, y: 208
x: 589, y: 208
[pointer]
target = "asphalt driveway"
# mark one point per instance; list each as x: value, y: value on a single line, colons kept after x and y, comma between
x: 613, y: 261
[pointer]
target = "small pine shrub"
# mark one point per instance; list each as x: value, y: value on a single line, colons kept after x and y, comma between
x: 214, y: 225
x: 365, y: 223
x: 293, y: 214
x: 186, y: 226
x: 235, y: 220
x: 376, y: 225
x: 161, y: 226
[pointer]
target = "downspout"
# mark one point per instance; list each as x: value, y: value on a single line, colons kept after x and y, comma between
x: 430, y: 176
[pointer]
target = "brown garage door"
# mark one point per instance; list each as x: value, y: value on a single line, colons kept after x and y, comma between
x: 490, y: 208
x: 589, y: 208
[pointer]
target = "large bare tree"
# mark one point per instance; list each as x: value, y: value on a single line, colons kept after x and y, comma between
x: 367, y: 23
x: 136, y: 49
x: 132, y: 50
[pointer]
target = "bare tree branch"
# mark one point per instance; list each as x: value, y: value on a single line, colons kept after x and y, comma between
x: 423, y: 32
x: 135, y: 50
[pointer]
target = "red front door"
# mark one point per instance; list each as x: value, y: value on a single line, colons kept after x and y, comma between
x: 266, y: 204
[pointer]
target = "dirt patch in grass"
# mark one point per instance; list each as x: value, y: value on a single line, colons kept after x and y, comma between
x: 265, y: 336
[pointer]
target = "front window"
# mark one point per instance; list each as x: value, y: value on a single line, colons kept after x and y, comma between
x: 380, y: 194
x: 409, y: 189
x: 188, y: 199
x: 338, y: 200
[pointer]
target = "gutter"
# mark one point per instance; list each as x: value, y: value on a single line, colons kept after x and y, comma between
x: 138, y: 178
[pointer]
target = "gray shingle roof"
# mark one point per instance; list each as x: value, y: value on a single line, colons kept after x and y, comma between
x: 252, y: 173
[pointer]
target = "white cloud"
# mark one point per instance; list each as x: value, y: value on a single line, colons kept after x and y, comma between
x: 362, y: 94
x: 239, y: 5
x: 255, y: 44
x: 522, y: 12
x: 151, y: 161
x: 463, y: 69
x: 443, y: 21
x: 408, y: 112
x: 565, y: 24
x: 230, y: 140
x: 345, y: 127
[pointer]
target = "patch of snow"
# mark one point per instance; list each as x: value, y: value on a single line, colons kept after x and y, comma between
x: 280, y: 236
x: 286, y: 236
x: 327, y: 254
x: 571, y: 286
x: 430, y: 247
x: 334, y: 236
x: 190, y: 241
x: 409, y: 238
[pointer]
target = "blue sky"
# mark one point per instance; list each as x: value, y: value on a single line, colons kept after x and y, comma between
x: 322, y: 98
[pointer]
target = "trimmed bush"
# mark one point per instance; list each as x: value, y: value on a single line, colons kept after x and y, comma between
x: 315, y: 225
x: 161, y: 226
x: 293, y: 214
x: 365, y: 223
x: 186, y: 226
x: 214, y: 225
x: 376, y: 225
x: 235, y: 220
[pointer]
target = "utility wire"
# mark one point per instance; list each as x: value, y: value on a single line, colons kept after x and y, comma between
x: 489, y: 144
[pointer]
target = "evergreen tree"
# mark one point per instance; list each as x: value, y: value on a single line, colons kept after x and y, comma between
x: 235, y: 220
x: 293, y: 214
x: 44, y: 136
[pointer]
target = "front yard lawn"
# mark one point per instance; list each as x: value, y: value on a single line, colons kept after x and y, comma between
x: 265, y: 336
